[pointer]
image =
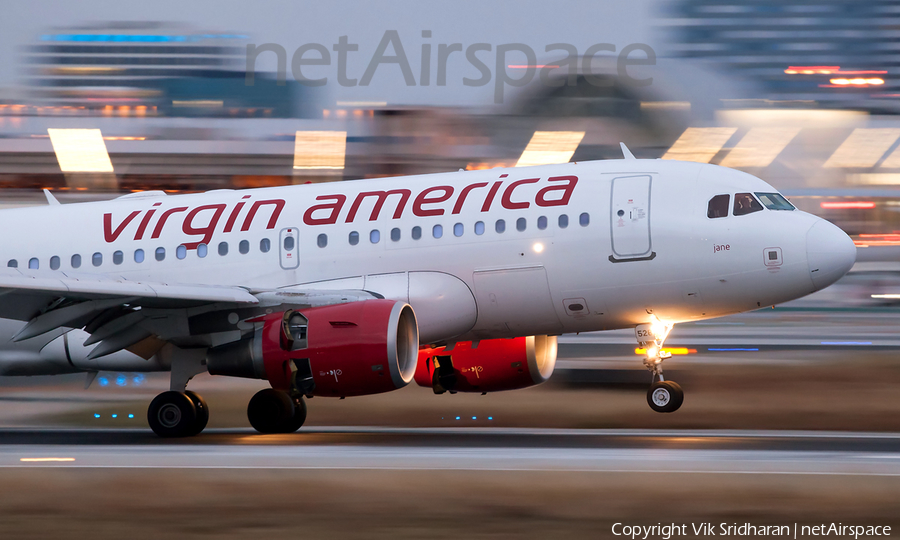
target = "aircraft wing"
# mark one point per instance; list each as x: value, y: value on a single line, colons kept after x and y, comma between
x: 120, y: 312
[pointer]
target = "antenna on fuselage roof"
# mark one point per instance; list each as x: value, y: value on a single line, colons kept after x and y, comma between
x: 626, y: 153
x: 51, y: 200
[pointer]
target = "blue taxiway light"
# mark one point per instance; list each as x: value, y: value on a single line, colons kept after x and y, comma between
x: 96, y: 415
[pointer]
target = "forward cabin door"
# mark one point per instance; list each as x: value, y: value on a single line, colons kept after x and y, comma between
x: 289, y: 248
x: 630, y: 218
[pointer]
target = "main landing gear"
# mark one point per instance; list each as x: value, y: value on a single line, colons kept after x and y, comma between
x: 663, y: 396
x: 178, y: 414
x: 183, y: 413
x: 275, y: 411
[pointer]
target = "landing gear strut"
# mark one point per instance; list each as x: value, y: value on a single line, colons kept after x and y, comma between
x: 275, y: 411
x: 180, y: 412
x: 663, y: 396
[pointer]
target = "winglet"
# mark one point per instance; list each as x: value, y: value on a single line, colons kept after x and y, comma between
x: 51, y: 200
x: 626, y: 153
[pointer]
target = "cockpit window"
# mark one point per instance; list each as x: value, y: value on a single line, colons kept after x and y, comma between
x: 774, y: 201
x: 718, y: 206
x: 745, y: 203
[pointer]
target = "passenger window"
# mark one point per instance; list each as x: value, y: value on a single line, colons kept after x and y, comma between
x: 354, y: 238
x: 97, y: 259
x: 479, y: 228
x: 322, y: 240
x: 416, y: 233
x: 745, y: 203
x: 542, y: 222
x: 202, y: 250
x: 118, y: 257
x: 244, y: 247
x: 521, y: 224
x: 12, y: 263
x: 289, y: 243
x: 395, y: 234
x: 33, y: 263
x: 374, y: 236
x: 138, y: 257
x: 718, y: 206
x: 437, y: 231
x: 458, y: 229
x: 160, y: 254
x: 500, y: 226
x: 54, y: 263
x: 584, y: 219
x: 223, y: 248
x: 563, y: 221
x: 180, y: 252
x: 775, y: 201
x: 265, y: 245
x: 76, y: 261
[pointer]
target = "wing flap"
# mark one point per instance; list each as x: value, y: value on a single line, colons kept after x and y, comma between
x: 89, y: 287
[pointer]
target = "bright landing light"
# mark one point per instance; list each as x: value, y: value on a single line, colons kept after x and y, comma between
x: 538, y: 247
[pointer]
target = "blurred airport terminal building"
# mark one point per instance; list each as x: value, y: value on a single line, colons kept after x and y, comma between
x: 801, y: 93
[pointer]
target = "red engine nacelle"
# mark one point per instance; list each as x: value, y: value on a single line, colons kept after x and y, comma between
x: 495, y: 364
x: 349, y: 349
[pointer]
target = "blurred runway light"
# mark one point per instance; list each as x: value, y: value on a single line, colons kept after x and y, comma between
x: 811, y: 70
x: 760, y: 147
x: 858, y: 81
x: 80, y: 150
x: 550, y: 147
x: 45, y: 459
x: 842, y: 205
x: 863, y: 148
x: 699, y: 144
x: 320, y: 150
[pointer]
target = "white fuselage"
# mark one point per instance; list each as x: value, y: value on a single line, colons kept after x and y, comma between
x: 434, y: 242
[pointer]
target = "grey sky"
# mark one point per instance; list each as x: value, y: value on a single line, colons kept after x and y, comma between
x: 294, y: 23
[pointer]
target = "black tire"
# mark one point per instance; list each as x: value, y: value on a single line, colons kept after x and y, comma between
x: 665, y: 396
x: 202, y: 411
x: 299, y: 416
x: 271, y: 411
x: 172, y: 414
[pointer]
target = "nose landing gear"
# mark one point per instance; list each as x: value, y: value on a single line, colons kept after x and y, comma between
x: 663, y: 396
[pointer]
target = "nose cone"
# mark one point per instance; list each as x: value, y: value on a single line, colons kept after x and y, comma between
x: 830, y: 253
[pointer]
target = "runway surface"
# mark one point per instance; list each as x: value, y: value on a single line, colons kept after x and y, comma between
x: 489, y: 449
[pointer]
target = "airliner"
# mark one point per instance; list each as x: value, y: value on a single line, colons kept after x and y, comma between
x: 461, y: 281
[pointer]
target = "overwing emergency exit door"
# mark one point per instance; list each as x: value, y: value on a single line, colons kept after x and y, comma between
x: 289, y: 248
x: 630, y: 218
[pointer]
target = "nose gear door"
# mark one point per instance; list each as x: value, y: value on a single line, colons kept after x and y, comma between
x: 630, y: 219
